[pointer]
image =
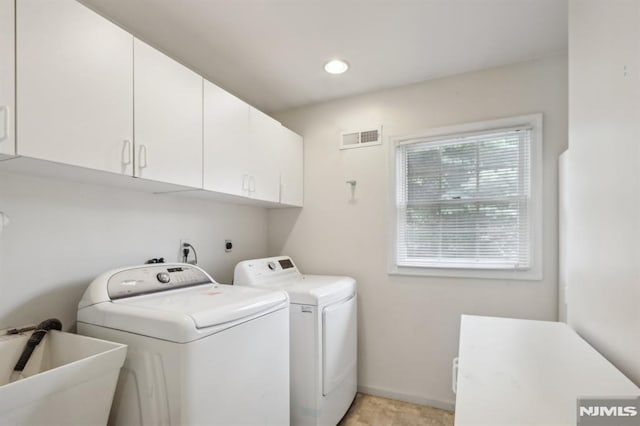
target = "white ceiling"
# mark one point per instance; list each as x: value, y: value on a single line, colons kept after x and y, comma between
x: 271, y: 52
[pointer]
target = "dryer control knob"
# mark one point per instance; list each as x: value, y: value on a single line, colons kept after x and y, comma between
x: 164, y: 277
x: 272, y: 266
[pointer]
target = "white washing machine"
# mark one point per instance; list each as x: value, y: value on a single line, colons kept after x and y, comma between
x: 323, y: 336
x: 200, y: 353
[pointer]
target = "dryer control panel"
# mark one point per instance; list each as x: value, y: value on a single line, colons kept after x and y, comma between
x: 264, y: 272
x: 154, y: 278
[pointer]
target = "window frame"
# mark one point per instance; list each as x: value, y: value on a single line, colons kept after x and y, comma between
x: 534, y: 272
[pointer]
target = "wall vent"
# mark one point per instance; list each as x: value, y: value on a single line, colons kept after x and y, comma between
x: 361, y: 138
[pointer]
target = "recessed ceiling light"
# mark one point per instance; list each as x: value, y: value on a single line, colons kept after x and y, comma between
x: 336, y: 66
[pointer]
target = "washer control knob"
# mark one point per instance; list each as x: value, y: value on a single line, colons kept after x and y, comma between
x: 164, y: 277
x: 272, y: 266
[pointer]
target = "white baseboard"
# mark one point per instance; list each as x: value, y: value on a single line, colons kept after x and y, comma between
x: 414, y: 399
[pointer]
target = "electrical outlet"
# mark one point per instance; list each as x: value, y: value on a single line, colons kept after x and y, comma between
x: 183, y: 241
x: 228, y: 245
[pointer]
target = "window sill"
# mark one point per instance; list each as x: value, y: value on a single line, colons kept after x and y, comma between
x: 533, y: 274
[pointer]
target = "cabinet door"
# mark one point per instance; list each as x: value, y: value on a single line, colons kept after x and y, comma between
x: 265, y: 170
x: 291, y: 168
x: 75, y: 90
x: 168, y: 119
x: 7, y: 77
x: 226, y: 141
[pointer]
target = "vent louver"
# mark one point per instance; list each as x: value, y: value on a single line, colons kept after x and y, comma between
x: 361, y: 138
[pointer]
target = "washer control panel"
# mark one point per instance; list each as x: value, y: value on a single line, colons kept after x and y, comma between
x: 154, y: 278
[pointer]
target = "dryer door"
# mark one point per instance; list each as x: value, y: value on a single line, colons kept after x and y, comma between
x: 339, y: 343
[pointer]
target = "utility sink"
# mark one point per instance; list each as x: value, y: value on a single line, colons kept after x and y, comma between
x: 69, y: 380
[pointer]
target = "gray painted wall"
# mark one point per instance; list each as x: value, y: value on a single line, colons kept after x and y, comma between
x: 63, y: 234
x: 603, y: 183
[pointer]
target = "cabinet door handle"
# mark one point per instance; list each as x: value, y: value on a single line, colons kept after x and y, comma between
x: 126, y: 152
x: 252, y: 184
x: 245, y: 182
x: 143, y: 157
x: 5, y: 122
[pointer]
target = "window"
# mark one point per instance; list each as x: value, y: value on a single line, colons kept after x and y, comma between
x: 467, y: 200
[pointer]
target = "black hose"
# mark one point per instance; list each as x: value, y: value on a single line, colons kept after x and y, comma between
x: 35, y: 339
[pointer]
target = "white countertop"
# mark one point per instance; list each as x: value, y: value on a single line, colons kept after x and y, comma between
x: 521, y: 372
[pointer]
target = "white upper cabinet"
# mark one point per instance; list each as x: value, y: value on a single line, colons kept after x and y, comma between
x: 7, y: 77
x: 264, y: 133
x: 168, y: 119
x: 226, y: 142
x: 291, y: 159
x: 74, y: 86
x: 87, y: 93
x: 241, y: 146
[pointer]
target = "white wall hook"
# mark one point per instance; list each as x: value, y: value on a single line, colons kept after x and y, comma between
x: 4, y: 221
x: 352, y: 187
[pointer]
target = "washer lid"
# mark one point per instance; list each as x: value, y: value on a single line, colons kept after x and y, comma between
x: 208, y: 307
x: 187, y: 314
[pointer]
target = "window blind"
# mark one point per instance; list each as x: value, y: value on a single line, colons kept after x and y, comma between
x: 464, y: 201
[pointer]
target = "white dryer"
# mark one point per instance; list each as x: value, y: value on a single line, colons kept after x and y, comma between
x: 323, y: 337
x: 200, y: 353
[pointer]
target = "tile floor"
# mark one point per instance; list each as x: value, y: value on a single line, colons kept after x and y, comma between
x: 375, y: 411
